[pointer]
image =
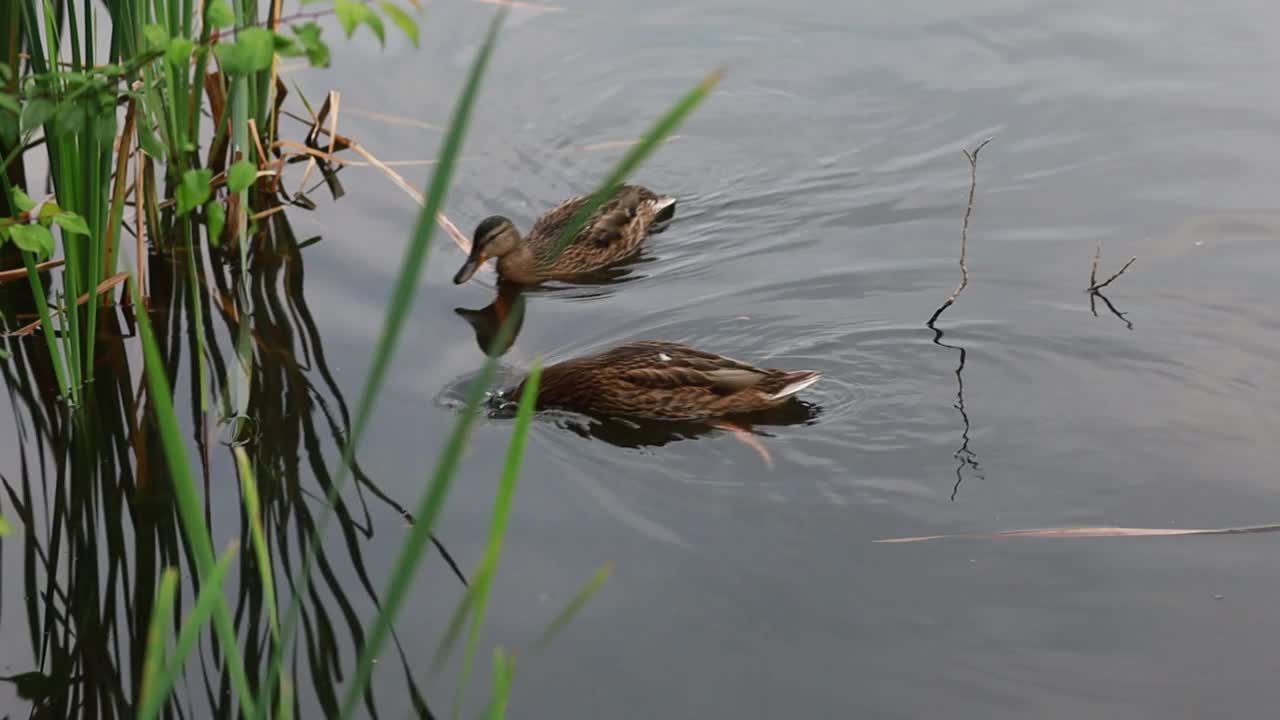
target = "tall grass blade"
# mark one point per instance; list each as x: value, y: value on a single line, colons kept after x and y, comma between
x: 253, y: 508
x: 665, y: 125
x: 157, y: 641
x: 209, y: 597
x: 477, y: 593
x: 503, y: 669
x: 401, y: 302
x: 588, y: 590
x: 46, y: 325
x: 188, y: 501
x: 498, y: 527
x: 426, y: 514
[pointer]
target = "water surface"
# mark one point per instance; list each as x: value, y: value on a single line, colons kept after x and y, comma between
x: 821, y: 194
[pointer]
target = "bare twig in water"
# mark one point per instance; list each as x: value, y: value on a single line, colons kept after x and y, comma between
x: 1095, y: 287
x: 1090, y: 532
x: 972, y: 157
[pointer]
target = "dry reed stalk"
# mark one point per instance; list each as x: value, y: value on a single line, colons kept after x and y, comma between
x: 7, y: 276
x: 103, y: 287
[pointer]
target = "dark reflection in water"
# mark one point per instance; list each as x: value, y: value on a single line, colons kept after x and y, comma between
x: 965, y: 456
x: 487, y: 321
x: 92, y: 496
x: 635, y: 433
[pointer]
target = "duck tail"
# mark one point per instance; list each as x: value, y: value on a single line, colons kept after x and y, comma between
x: 796, y: 381
x: 664, y: 210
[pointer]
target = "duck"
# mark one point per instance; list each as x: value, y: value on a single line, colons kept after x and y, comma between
x: 657, y: 380
x: 614, y: 232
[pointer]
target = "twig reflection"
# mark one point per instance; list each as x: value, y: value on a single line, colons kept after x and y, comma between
x: 964, y: 455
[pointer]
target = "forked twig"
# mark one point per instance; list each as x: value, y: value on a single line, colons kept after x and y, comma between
x: 1095, y: 287
x: 972, y: 157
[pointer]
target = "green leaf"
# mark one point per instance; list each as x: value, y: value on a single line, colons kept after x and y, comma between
x: 70, y: 118
x: 252, y: 51
x: 349, y: 13
x: 149, y: 142
x: 401, y: 19
x: 317, y: 50
x: 218, y: 14
x: 194, y: 190
x: 9, y: 128
x: 71, y: 223
x: 156, y: 37
x: 179, y: 52
x: 21, y: 200
x: 10, y: 103
x: 241, y: 176
x: 375, y: 24
x: 216, y: 218
x: 47, y: 211
x: 33, y: 238
x: 104, y: 126
x: 36, y: 113
x: 5, y: 527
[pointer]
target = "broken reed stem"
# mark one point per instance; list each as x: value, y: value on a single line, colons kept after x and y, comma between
x: 972, y: 157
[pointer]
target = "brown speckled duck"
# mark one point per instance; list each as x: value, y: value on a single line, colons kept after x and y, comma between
x: 613, y: 232
x: 665, y: 381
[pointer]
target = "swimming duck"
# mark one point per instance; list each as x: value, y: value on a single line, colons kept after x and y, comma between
x: 613, y: 232
x: 665, y: 381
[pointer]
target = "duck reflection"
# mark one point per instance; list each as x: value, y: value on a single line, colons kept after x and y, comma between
x: 487, y: 322
x: 638, y: 433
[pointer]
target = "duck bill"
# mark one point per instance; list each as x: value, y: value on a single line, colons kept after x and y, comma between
x: 469, y: 268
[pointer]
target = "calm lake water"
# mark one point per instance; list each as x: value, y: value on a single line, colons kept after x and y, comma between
x: 822, y: 189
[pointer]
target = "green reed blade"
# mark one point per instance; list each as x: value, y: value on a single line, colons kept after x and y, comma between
x: 503, y: 669
x: 402, y: 296
x: 498, y: 527
x: 501, y: 691
x: 211, y: 594
x: 477, y: 594
x: 665, y: 125
x: 46, y: 325
x: 592, y: 586
x: 426, y: 514
x: 253, y: 508
x: 188, y: 501
x: 157, y: 639
x: 284, y: 708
